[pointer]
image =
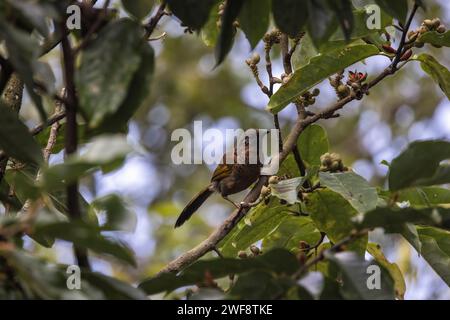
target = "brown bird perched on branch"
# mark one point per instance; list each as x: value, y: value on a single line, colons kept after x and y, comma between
x: 231, y: 178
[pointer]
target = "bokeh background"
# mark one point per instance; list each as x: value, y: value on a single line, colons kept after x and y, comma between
x: 186, y: 88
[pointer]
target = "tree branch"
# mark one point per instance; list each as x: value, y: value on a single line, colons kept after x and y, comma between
x: 151, y: 25
x: 211, y: 242
x: 71, y: 140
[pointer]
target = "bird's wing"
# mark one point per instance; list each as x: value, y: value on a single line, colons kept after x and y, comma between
x: 222, y: 171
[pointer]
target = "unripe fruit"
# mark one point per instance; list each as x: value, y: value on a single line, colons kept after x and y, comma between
x: 428, y: 23
x: 242, y: 254
x: 335, y: 166
x: 441, y: 29
x: 423, y: 29
x: 256, y: 58
x: 274, y: 180
x: 412, y: 34
x: 343, y: 90
x: 436, y: 22
x: 325, y: 159
x: 255, y: 250
x: 316, y: 92
x: 265, y: 191
x: 303, y: 245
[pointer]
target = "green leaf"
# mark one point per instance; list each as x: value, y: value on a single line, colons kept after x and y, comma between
x: 290, y: 15
x: 436, y: 71
x: 86, y: 236
x: 105, y: 151
x: 227, y: 30
x: 436, y: 38
x: 354, y: 188
x: 397, y: 9
x: 193, y: 13
x: 344, y: 14
x: 318, y: 69
x: 356, y: 278
x: 113, y: 289
x: 103, y: 84
x: 399, y: 282
x: 418, y: 165
x: 277, y: 261
x: 254, y: 20
x: 312, y: 143
x: 137, y: 94
x: 290, y: 232
x: 23, y: 53
x: 15, y: 138
x: 333, y: 215
x: 393, y: 219
x: 321, y: 23
x: 260, y: 285
x: 138, y: 8
x: 118, y: 215
x: 436, y: 250
x: 424, y: 196
x: 257, y: 224
x: 360, y: 29
x: 210, y: 31
x: 35, y: 14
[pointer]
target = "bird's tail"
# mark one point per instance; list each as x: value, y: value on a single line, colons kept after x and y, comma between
x: 193, y: 206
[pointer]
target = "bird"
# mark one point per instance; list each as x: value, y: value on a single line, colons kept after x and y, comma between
x: 229, y: 178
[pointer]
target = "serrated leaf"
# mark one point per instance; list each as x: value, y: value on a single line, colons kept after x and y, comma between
x: 318, y: 69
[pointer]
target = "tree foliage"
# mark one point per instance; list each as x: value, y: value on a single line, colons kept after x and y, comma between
x: 108, y: 67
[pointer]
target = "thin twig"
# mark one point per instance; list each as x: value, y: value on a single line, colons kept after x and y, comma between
x: 401, y: 49
x: 335, y: 248
x: 71, y: 141
x: 94, y: 28
x: 151, y: 25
